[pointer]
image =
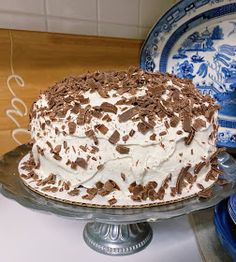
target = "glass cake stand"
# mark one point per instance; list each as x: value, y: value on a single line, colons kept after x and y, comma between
x: 110, y: 231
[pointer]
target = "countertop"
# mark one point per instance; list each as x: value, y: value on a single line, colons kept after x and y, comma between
x: 28, y: 236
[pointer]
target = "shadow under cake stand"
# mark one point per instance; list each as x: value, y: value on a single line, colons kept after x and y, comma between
x: 109, y: 231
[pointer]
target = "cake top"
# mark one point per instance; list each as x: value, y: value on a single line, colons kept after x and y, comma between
x: 123, y: 106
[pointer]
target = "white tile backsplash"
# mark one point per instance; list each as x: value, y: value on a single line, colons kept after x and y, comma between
x: 151, y: 10
x: 25, y: 6
x: 115, y: 30
x: 119, y: 11
x: 72, y: 26
x: 115, y: 18
x: 81, y: 9
x: 22, y: 21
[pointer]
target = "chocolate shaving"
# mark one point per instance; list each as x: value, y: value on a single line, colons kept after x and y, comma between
x: 57, y: 149
x: 81, y: 162
x: 122, y: 176
x: 83, y: 100
x: 163, y: 133
x: 222, y: 182
x: 163, y: 109
x: 102, y: 92
x: 96, y: 113
x: 188, y: 140
x: 198, y: 167
x: 102, y: 128
x: 128, y: 114
x: 88, y: 197
x: 131, y: 133
x: 122, y: 149
x: 173, y: 191
x: 187, y: 124
x: 99, y: 185
x: 72, y: 127
x: 100, y: 167
x: 107, y: 107
x: 181, y: 176
x: 90, y: 133
x: 74, y: 192
x: 75, y: 109
x: 200, y: 186
x: 153, y: 137
x: 57, y: 157
x: 161, y: 193
x: 174, y: 120
x: 84, y: 148
x: 198, y: 124
x: 206, y: 193
x: 107, y: 118
x: 112, y: 201
x: 213, y: 174
x: 209, y: 113
x: 131, y: 186
x: 125, y: 138
x: 108, y: 186
x: 114, y: 138
x: 143, y: 127
x: 92, y: 191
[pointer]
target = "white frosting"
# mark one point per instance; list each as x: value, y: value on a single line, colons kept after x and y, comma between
x: 147, y: 160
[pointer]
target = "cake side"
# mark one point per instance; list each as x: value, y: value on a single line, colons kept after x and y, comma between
x: 123, y: 135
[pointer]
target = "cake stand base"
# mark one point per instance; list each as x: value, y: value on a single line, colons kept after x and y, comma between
x: 117, y: 239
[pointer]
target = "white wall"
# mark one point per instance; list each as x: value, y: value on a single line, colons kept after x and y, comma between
x: 116, y: 18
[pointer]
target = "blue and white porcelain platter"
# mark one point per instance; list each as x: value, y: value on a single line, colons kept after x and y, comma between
x: 197, y: 40
x: 232, y: 207
x: 225, y: 228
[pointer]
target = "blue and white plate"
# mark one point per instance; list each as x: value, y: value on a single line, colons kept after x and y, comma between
x: 197, y: 40
x: 225, y: 228
x: 232, y: 207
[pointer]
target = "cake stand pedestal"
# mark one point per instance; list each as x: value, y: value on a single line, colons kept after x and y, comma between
x: 117, y: 239
x: 110, y: 231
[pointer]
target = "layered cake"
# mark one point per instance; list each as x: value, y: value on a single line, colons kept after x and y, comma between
x: 122, y: 138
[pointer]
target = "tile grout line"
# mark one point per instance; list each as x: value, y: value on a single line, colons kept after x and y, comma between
x: 139, y: 19
x: 98, y: 17
x: 139, y: 13
x: 45, y: 14
x: 61, y: 17
x: 12, y: 12
x: 97, y: 13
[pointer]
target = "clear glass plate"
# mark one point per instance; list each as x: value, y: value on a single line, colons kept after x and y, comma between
x: 12, y: 187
